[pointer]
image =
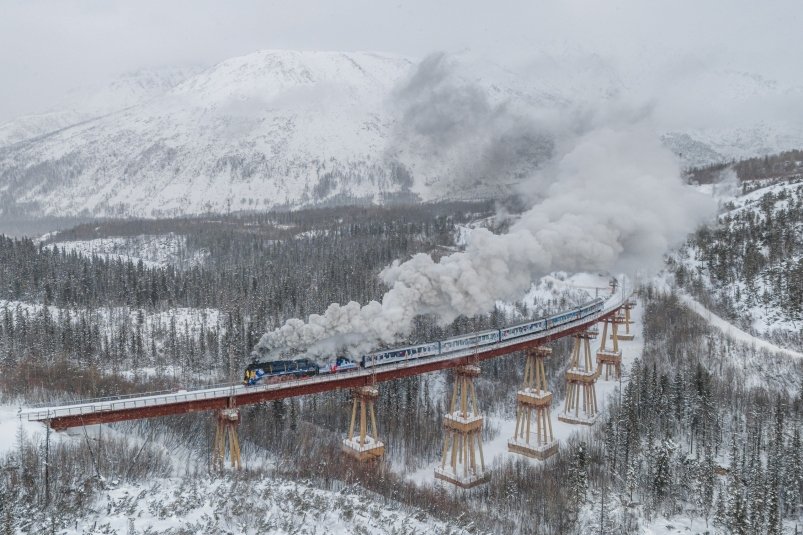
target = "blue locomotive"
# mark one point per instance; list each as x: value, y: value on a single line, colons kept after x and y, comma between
x: 279, y: 369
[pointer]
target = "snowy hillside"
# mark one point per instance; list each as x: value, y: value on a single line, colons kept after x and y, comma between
x: 749, y: 268
x: 269, y: 506
x: 304, y: 128
x: 87, y: 103
x: 723, y: 115
x: 705, y: 146
x: 270, y: 128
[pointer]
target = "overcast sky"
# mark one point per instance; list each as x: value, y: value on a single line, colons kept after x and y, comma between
x: 47, y: 47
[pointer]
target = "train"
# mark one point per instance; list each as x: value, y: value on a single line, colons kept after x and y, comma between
x: 278, y: 370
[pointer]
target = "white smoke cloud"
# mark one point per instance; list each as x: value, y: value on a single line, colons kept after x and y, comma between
x: 612, y: 201
x: 459, y: 130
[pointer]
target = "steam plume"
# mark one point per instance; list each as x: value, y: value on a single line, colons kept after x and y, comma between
x: 460, y: 131
x: 613, y: 201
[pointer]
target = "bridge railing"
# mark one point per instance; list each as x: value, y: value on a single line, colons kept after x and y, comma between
x: 134, y: 401
x: 97, y: 406
x: 120, y: 397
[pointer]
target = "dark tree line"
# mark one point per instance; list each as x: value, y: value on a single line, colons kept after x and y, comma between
x: 776, y: 166
x: 199, y: 324
x: 258, y: 272
x: 684, y: 441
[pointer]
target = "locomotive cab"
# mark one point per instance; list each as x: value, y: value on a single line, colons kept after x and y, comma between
x: 253, y: 373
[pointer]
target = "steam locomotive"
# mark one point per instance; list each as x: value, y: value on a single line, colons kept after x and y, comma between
x: 277, y: 370
x: 289, y: 369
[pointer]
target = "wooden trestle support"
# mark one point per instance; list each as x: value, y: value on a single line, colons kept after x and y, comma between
x: 534, y: 398
x: 626, y: 320
x: 364, y: 446
x: 610, y: 359
x: 580, y: 382
x: 463, y: 430
x: 227, y: 421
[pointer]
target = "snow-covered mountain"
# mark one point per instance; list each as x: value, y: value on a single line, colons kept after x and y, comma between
x: 265, y: 129
x: 86, y: 103
x: 723, y: 115
x: 701, y: 147
x: 299, y: 128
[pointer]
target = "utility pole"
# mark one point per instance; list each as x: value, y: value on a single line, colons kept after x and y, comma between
x: 47, y: 462
x: 602, y: 512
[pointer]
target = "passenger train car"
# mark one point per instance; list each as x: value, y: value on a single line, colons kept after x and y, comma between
x: 286, y: 369
x: 400, y: 354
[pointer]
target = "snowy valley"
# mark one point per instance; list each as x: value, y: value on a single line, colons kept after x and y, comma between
x: 147, y: 343
x: 407, y: 268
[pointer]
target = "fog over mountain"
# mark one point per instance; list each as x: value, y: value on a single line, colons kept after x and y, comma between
x: 291, y: 128
x: 89, y: 102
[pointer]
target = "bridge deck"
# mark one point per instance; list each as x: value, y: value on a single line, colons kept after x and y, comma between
x: 217, y: 397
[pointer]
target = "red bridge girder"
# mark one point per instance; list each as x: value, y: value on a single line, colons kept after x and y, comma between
x: 338, y: 382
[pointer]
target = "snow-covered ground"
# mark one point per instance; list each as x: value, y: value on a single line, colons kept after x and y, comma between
x: 187, y: 503
x: 210, y: 505
x: 11, y: 425
x: 733, y: 332
x: 275, y: 506
x: 111, y: 317
x: 676, y: 526
x: 693, y: 526
x: 153, y: 250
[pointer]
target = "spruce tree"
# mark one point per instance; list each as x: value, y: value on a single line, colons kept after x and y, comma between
x: 578, y: 475
x: 720, y: 508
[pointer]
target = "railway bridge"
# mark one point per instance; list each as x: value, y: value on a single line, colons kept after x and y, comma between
x: 462, y: 461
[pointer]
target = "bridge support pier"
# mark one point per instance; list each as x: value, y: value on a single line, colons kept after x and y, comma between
x: 627, y: 321
x: 610, y: 359
x: 226, y: 435
x: 463, y: 430
x: 580, y: 384
x: 364, y: 446
x: 534, y: 398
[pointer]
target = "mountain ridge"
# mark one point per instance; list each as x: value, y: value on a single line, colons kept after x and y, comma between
x: 278, y: 128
